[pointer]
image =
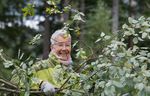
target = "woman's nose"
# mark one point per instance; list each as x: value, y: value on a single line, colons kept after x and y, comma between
x: 64, y: 47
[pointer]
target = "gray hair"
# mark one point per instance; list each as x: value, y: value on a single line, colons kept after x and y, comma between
x: 60, y: 32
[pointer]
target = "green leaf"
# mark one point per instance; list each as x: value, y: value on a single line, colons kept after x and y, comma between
x: 22, y: 93
x: 132, y: 21
x: 144, y: 35
x: 24, y: 66
x: 127, y: 33
x: 140, y: 39
x: 107, y: 37
x: 135, y: 48
x: 131, y: 30
x: 8, y: 64
x: 81, y: 13
x: 147, y: 89
x: 144, y: 67
x: 35, y: 39
x: 143, y: 52
x: 101, y: 65
x: 102, y: 34
x: 1, y: 50
x: 67, y: 8
x: 142, y: 59
x: 101, y: 84
x: 139, y: 86
x: 146, y: 24
x: 78, y: 17
x: 117, y: 84
x: 141, y: 93
x: 121, y: 54
x: 81, y: 54
x: 148, y: 55
x: 87, y: 87
x: 141, y: 18
x: 147, y: 30
x: 109, y: 83
x: 146, y: 73
x: 125, y: 26
x: 75, y: 44
x: 110, y: 91
x: 98, y: 40
x: 27, y: 93
x: 28, y: 10
x: 135, y: 40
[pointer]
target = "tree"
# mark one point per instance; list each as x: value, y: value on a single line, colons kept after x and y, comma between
x: 46, y: 35
x: 115, y: 16
x: 97, y: 22
x: 13, y: 31
x: 99, y: 75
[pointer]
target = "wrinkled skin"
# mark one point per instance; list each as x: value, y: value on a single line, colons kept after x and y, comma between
x: 62, y: 49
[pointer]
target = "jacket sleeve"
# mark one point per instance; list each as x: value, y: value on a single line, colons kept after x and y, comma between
x: 44, y: 75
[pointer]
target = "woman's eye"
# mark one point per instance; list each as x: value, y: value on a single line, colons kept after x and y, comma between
x: 68, y: 45
x: 60, y: 44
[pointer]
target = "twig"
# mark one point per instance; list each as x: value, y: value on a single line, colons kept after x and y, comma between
x: 83, y: 64
x: 8, y: 83
x: 77, y: 91
x: 36, y: 92
x: 9, y: 90
x: 147, y: 4
x: 69, y: 2
x: 88, y: 47
x: 64, y: 83
x: 18, y: 91
x: 60, y: 89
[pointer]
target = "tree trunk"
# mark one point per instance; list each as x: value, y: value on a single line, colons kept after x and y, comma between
x: 115, y: 16
x: 132, y: 13
x: 82, y: 9
x: 46, y: 37
x: 64, y: 16
x: 46, y: 34
x: 133, y: 8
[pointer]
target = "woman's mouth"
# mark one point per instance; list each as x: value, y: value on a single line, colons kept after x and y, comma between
x: 63, y: 56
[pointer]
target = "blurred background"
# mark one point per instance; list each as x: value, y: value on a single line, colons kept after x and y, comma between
x: 100, y: 15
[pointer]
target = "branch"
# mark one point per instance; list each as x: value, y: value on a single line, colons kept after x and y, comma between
x: 64, y: 84
x: 77, y: 69
x: 79, y: 91
x: 18, y: 91
x: 147, y: 4
x: 8, y: 83
x: 15, y: 90
x: 88, y: 47
x: 84, y: 63
x: 9, y: 90
x: 69, y: 1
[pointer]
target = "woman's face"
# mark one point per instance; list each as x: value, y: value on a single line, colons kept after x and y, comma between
x: 62, y: 48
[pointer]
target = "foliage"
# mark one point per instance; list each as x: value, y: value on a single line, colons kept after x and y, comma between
x: 28, y: 10
x: 119, y: 70
x: 22, y: 68
x: 97, y: 21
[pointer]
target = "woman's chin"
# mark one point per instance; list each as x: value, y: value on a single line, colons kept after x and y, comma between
x: 63, y: 59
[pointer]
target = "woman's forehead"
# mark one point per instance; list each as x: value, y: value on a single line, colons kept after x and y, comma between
x: 63, y: 39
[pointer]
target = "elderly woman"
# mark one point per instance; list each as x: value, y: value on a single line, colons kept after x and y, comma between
x: 61, y: 46
x: 58, y: 62
x: 50, y: 74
